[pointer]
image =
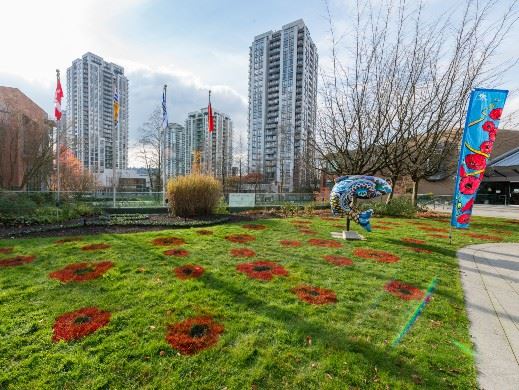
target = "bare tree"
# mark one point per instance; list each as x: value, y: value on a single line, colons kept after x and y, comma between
x: 397, y: 105
x: 151, y: 147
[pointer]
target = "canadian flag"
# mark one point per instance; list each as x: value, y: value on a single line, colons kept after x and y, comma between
x: 57, y: 100
x: 210, y: 118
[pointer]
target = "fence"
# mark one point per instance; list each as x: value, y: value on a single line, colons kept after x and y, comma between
x: 445, y: 201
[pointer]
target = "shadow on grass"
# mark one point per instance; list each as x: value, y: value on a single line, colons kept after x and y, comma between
x: 333, y: 338
x: 433, y: 248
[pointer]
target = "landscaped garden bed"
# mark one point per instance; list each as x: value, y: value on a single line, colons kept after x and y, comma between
x: 239, y: 307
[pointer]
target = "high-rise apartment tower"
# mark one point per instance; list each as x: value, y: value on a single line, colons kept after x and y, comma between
x: 91, y: 133
x: 282, y: 107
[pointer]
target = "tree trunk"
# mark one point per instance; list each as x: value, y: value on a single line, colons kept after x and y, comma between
x: 414, y: 200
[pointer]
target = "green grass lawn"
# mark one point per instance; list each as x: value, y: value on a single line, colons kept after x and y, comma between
x: 271, y: 339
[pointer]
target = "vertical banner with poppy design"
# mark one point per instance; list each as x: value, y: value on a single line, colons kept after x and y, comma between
x: 483, y: 115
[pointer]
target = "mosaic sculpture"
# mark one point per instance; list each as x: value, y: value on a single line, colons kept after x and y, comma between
x: 349, y: 188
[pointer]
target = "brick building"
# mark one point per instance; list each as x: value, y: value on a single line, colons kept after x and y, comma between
x: 25, y: 141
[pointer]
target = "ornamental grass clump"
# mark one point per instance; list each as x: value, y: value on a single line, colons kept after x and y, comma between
x: 193, y: 195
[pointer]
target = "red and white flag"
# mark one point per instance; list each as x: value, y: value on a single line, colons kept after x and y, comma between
x: 210, y: 118
x: 57, y: 99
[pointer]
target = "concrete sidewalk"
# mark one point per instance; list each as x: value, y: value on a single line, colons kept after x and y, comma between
x: 483, y: 210
x: 490, y: 278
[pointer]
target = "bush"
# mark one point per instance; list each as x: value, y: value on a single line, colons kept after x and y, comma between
x: 397, y: 207
x: 193, y: 195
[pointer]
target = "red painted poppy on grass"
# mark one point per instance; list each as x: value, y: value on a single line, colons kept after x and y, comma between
x: 433, y: 229
x: 80, y: 272
x: 194, y: 334
x: 413, y: 241
x: 189, y: 271
x: 308, y: 232
x: 261, y: 270
x: 204, y: 232
x: 80, y: 323
x: 290, y: 243
x: 341, y: 261
x: 251, y: 226
x: 377, y: 255
x: 324, y: 243
x: 489, y: 237
x: 240, y: 238
x: 403, y: 290
x: 242, y: 252
x: 176, y: 252
x: 6, y: 250
x: 168, y: 241
x: 95, y: 247
x: 17, y: 260
x: 315, y: 295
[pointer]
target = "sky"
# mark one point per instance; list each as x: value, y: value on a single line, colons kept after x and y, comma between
x: 192, y: 46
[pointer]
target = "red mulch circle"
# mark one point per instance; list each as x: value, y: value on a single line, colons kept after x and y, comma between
x: 381, y: 227
x: 17, y: 260
x: 403, y: 290
x: 437, y: 235
x: 261, y: 270
x: 252, y: 226
x: 176, y: 252
x: 168, y: 241
x: 6, y: 250
x: 189, y: 271
x: 95, y: 247
x: 315, y: 295
x: 415, y: 241
x: 481, y: 236
x: 338, y: 260
x: 194, y: 334
x: 324, y: 243
x: 80, y: 272
x: 240, y: 238
x: 68, y: 239
x: 433, y: 229
x: 301, y: 222
x: 204, y: 232
x: 242, y: 252
x: 290, y: 243
x: 420, y: 250
x: 377, y: 255
x: 80, y: 323
x: 309, y: 232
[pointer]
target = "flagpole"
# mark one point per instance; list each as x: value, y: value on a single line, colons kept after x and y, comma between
x: 114, y: 147
x: 57, y: 152
x: 165, y: 126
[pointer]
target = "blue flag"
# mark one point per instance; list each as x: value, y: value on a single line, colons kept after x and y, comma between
x: 479, y: 134
x: 164, y: 110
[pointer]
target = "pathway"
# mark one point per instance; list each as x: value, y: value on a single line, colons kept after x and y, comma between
x: 490, y: 278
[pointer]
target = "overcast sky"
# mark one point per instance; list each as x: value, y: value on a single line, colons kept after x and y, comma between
x: 191, y: 45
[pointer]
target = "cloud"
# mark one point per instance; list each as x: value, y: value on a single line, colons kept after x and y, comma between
x: 186, y: 93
